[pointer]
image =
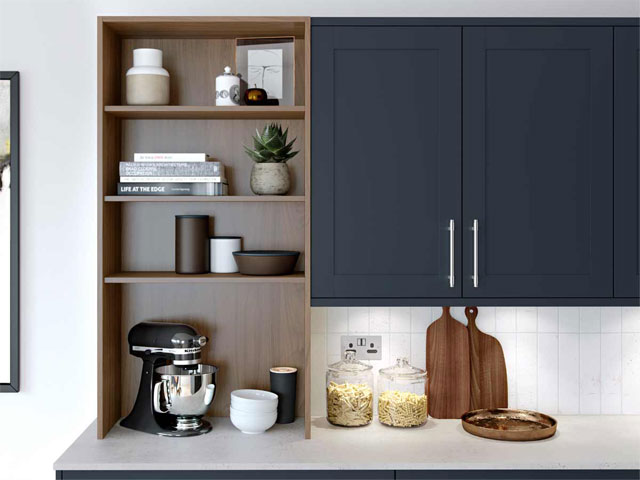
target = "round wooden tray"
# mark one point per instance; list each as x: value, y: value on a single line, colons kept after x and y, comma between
x: 507, y: 424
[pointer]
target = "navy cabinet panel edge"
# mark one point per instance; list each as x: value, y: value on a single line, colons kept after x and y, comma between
x: 349, y: 474
x: 476, y: 21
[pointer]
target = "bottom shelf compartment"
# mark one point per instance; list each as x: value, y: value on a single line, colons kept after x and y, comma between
x: 251, y: 327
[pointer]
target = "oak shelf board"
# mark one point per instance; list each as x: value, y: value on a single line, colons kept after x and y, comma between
x: 205, y: 198
x: 206, y: 112
x: 205, y: 27
x: 172, y: 277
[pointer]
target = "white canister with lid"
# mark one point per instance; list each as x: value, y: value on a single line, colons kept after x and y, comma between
x: 147, y: 81
x: 221, y: 254
x: 227, y: 89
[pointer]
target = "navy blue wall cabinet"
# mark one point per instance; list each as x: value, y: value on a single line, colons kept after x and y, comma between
x: 386, y: 180
x: 538, y: 136
x: 626, y: 172
x: 506, y: 126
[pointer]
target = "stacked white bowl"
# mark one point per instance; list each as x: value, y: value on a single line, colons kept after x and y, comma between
x: 253, y: 411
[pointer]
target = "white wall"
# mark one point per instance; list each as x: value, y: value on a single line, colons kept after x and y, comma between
x: 53, y: 45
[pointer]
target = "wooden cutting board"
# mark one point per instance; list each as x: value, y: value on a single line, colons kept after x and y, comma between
x: 488, y: 368
x: 448, y: 367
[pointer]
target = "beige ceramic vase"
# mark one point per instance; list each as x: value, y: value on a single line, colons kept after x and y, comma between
x: 270, y: 179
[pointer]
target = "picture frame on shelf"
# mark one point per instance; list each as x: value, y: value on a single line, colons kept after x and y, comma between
x: 267, y: 63
x: 9, y: 232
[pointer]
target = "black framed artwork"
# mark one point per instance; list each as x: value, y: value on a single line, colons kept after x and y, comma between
x: 9, y: 232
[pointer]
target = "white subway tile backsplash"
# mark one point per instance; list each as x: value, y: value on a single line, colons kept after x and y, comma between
x: 486, y: 320
x: 318, y: 320
x: 565, y: 360
x: 631, y: 373
x: 589, y: 320
x: 527, y: 370
x: 548, y: 319
x: 399, y: 346
x: 418, y: 350
x: 358, y: 319
x: 400, y: 319
x: 611, y: 319
x: 505, y: 319
x: 568, y: 319
x: 379, y: 321
x: 337, y: 320
x: 568, y: 373
x: 526, y: 319
x: 590, y: 373
x: 548, y: 373
x: 508, y: 342
x: 420, y: 319
x: 610, y: 373
x: 631, y: 319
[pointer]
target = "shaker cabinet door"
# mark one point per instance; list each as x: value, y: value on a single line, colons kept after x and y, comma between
x: 386, y: 162
x: 626, y: 172
x: 537, y: 149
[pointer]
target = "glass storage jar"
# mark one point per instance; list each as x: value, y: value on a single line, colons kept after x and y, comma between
x: 350, y: 392
x: 402, y: 395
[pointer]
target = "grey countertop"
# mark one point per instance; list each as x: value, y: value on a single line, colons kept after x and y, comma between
x: 581, y: 442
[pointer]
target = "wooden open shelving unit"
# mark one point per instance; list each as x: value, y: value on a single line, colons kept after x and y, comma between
x: 253, y: 323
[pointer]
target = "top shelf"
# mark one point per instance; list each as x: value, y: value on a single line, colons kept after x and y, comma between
x: 188, y: 112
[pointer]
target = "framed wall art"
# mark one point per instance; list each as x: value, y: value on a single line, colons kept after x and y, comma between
x: 268, y: 63
x: 9, y: 232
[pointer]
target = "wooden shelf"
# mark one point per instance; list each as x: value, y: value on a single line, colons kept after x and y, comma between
x: 195, y: 198
x: 172, y: 277
x: 188, y: 112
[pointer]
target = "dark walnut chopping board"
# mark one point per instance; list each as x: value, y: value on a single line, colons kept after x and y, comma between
x: 488, y: 368
x: 448, y: 367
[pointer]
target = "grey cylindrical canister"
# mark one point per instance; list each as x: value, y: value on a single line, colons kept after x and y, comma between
x: 192, y: 243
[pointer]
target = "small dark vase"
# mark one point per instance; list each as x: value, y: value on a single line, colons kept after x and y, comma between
x: 255, y: 96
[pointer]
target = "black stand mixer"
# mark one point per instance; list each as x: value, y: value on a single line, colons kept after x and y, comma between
x: 176, y: 389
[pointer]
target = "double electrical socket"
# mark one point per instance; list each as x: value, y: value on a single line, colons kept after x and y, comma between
x: 367, y: 347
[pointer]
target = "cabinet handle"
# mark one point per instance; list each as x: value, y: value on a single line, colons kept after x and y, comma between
x: 452, y: 245
x: 475, y: 253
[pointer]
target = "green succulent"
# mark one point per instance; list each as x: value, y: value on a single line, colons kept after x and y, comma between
x: 271, y: 145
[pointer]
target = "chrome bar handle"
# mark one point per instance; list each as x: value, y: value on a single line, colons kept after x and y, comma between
x: 475, y: 253
x: 452, y: 245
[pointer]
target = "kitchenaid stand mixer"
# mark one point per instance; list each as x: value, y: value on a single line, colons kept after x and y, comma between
x: 175, y: 389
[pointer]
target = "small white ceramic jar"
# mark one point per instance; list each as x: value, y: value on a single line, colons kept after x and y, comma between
x: 221, y: 254
x: 147, y: 81
x: 227, y: 89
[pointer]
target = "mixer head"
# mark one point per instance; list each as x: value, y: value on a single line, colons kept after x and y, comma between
x: 175, y: 342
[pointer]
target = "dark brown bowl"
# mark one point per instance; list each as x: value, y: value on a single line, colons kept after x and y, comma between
x: 266, y: 262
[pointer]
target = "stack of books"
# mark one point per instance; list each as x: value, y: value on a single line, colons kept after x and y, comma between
x: 172, y: 174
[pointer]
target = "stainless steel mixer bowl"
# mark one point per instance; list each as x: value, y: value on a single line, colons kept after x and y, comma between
x: 184, y: 392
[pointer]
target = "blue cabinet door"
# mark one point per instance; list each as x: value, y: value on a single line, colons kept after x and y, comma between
x: 626, y: 155
x: 537, y: 156
x: 386, y: 106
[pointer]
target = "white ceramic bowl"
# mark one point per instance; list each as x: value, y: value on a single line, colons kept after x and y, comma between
x: 252, y: 423
x: 254, y: 401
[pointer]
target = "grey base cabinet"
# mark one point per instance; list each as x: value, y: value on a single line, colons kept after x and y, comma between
x: 490, y: 162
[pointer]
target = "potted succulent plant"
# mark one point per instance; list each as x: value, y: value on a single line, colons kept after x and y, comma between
x: 270, y: 173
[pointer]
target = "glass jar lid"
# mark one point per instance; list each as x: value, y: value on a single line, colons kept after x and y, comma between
x: 402, y: 371
x: 349, y: 365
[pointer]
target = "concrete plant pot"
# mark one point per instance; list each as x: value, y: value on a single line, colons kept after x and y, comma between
x: 270, y: 179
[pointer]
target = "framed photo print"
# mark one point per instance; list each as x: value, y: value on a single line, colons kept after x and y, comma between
x: 9, y: 232
x: 268, y: 63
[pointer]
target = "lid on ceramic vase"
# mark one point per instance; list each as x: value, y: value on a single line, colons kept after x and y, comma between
x: 147, y: 57
x: 402, y: 371
x: 227, y: 73
x: 349, y: 364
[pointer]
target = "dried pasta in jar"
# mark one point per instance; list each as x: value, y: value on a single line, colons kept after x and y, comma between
x: 349, y: 405
x: 402, y: 409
